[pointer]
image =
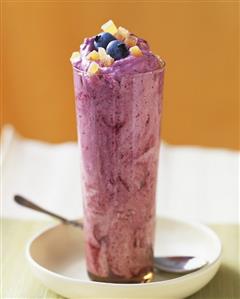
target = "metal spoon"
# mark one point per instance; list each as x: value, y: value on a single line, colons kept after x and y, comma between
x: 22, y: 201
x: 171, y: 264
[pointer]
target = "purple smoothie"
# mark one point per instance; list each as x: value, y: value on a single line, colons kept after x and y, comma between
x: 118, y: 120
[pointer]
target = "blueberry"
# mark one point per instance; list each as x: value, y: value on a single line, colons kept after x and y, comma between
x: 117, y: 49
x: 103, y: 39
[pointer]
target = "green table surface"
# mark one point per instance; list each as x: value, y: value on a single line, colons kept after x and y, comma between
x: 17, y: 280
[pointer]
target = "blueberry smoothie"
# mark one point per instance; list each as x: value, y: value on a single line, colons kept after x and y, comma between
x: 118, y: 85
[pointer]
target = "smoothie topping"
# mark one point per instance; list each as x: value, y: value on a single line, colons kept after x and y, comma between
x: 109, y: 27
x: 104, y: 58
x: 116, y: 42
x: 108, y: 61
x: 93, y: 68
x: 102, y: 53
x: 131, y: 41
x: 103, y: 39
x: 94, y: 55
x: 122, y: 33
x: 75, y: 57
x: 98, y: 53
x: 117, y: 49
x: 135, y: 51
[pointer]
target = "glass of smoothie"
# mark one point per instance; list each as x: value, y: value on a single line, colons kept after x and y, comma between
x: 118, y: 86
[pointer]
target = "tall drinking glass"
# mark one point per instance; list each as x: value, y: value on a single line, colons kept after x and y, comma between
x: 118, y: 123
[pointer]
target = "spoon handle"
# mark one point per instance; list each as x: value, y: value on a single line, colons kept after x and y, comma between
x: 28, y: 204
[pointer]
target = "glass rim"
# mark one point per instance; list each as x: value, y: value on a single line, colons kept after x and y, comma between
x: 160, y: 69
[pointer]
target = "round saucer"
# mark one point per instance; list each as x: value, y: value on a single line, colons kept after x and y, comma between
x: 57, y: 259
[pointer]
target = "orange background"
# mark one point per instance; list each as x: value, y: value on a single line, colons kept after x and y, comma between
x: 198, y: 41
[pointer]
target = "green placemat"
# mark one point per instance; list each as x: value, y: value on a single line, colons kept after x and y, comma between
x: 18, y: 281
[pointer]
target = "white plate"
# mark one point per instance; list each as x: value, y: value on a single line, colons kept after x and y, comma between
x: 56, y: 258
